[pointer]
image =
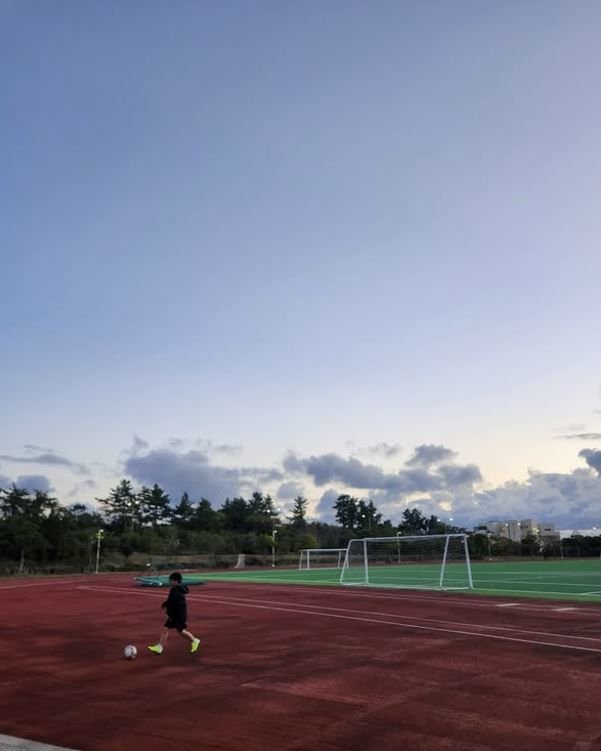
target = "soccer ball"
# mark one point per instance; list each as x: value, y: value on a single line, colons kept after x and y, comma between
x: 130, y: 652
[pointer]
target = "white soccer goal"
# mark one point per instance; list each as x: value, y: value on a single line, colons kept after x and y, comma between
x: 312, y: 558
x: 419, y: 562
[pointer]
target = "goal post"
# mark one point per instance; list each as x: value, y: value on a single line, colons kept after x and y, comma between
x: 312, y: 558
x: 414, y: 562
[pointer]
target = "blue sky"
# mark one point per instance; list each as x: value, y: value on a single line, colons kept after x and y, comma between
x: 304, y: 245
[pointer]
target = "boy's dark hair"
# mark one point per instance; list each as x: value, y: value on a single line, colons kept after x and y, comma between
x: 175, y: 577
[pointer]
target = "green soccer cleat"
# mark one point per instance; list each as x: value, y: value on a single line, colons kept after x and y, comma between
x: 195, y: 645
x: 157, y: 649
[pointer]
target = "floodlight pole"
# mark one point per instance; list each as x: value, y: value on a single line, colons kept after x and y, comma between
x: 273, y: 534
x: 398, y: 544
x: 99, y: 536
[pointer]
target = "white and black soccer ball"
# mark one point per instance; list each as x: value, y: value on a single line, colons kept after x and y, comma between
x: 130, y: 652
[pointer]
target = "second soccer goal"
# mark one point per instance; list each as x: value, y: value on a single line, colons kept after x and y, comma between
x: 418, y: 562
x: 312, y: 558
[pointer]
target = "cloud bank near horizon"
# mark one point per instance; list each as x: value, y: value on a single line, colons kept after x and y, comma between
x: 432, y: 478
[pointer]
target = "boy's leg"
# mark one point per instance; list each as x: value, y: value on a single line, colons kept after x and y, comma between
x: 158, y: 648
x: 191, y: 638
x: 164, y: 636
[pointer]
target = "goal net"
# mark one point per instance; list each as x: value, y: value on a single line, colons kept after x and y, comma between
x: 322, y: 558
x: 420, y: 562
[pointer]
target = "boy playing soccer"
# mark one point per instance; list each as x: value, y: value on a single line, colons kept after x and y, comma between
x: 177, y: 613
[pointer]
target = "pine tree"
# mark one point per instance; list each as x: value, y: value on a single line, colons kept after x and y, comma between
x: 346, y: 511
x: 184, y: 511
x: 299, y: 513
x: 122, y: 506
x: 154, y: 505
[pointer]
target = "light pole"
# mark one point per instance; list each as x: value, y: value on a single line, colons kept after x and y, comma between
x: 488, y: 534
x: 99, y: 536
x: 273, y: 534
x: 398, y: 545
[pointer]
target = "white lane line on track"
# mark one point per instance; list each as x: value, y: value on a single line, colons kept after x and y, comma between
x: 39, y: 584
x: 512, y: 629
x: 443, y: 598
x: 303, y: 611
x: 464, y: 601
x: 508, y: 604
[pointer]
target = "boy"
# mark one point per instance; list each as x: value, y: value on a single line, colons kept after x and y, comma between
x: 177, y: 612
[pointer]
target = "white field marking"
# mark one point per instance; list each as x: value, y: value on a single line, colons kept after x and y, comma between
x: 508, y: 604
x: 510, y: 578
x: 272, y: 579
x: 563, y: 610
x: 534, y: 592
x: 504, y: 589
x: 359, y: 587
x: 539, y: 574
x: 544, y: 574
x: 282, y: 607
x: 500, y: 582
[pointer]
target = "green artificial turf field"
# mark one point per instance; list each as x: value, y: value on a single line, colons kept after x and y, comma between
x: 567, y: 579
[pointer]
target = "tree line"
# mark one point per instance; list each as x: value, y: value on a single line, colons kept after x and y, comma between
x: 38, y: 531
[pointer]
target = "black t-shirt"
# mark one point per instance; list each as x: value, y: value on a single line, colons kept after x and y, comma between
x: 175, y: 604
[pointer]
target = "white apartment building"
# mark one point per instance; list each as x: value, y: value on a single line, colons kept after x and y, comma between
x: 517, y: 530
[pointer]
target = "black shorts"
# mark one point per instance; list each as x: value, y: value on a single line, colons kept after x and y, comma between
x: 176, y: 623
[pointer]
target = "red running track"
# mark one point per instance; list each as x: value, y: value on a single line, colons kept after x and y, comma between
x: 297, y: 668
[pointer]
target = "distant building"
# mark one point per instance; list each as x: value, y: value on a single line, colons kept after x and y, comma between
x: 548, y: 533
x: 518, y: 530
x: 594, y: 532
